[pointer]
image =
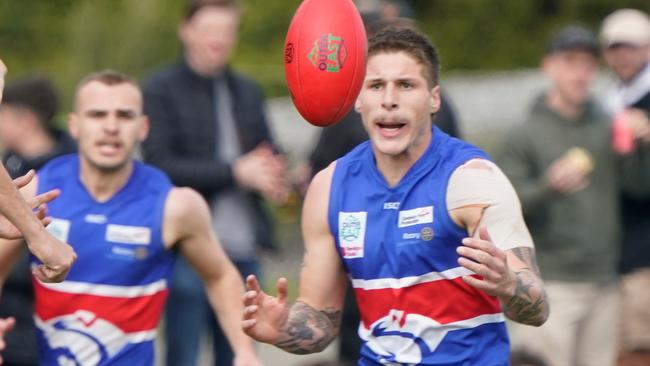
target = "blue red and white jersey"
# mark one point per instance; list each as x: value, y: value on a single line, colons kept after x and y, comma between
x: 108, y: 308
x: 398, y: 245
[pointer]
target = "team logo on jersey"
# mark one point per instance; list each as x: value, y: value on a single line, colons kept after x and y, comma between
x: 82, y: 338
x: 416, y: 336
x: 415, y: 216
x: 59, y: 229
x: 128, y: 234
x: 352, y: 233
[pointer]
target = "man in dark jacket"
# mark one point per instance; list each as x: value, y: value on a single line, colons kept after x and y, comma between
x: 625, y: 36
x: 209, y: 132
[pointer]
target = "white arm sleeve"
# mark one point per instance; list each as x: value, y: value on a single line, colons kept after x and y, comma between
x: 490, y: 186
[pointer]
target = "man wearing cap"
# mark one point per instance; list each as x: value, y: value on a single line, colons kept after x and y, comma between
x: 567, y: 177
x: 625, y: 37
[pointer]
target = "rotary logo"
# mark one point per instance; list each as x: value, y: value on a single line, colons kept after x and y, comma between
x: 329, y: 53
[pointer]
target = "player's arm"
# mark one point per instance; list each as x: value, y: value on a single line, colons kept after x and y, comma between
x: 19, y: 221
x: 481, y: 198
x: 187, y: 224
x: 313, y: 321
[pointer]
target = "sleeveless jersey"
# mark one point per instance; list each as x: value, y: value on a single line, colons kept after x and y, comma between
x: 108, y: 308
x: 398, y: 245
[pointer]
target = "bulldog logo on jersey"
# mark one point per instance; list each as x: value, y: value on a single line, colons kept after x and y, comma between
x: 82, y: 338
x: 352, y: 233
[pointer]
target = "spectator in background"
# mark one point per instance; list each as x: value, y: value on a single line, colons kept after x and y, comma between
x: 564, y: 169
x: 625, y: 37
x: 209, y: 132
x: 29, y: 135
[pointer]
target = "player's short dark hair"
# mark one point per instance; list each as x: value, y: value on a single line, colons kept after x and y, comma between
x: 193, y: 6
x: 107, y: 77
x: 414, y: 43
x: 37, y: 94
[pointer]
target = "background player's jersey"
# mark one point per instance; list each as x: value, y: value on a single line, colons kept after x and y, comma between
x: 108, y: 308
x: 399, y: 247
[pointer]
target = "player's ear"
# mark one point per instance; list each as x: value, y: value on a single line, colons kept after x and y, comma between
x: 144, y: 128
x: 73, y: 125
x: 357, y: 106
x: 435, y: 99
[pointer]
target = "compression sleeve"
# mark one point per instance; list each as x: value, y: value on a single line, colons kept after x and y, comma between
x: 489, y: 186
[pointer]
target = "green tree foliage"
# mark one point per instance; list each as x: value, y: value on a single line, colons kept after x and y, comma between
x: 67, y: 39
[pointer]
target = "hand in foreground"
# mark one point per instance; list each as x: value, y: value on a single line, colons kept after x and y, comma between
x: 265, y: 315
x: 56, y: 256
x: 6, y: 324
x: 37, y: 203
x: 482, y: 257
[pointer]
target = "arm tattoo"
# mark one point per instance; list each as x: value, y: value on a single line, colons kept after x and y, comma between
x: 309, y: 330
x: 529, y: 304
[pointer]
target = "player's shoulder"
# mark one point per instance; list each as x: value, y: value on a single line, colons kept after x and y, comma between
x: 324, y: 177
x: 183, y: 202
x: 59, y: 168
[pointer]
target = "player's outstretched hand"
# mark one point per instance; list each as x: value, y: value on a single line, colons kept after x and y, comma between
x: 482, y: 257
x: 6, y: 324
x: 265, y: 315
x: 37, y: 203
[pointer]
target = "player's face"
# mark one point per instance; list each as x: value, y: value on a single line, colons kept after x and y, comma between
x: 210, y: 36
x: 396, y: 104
x: 108, y: 124
x: 571, y: 73
x: 627, y: 60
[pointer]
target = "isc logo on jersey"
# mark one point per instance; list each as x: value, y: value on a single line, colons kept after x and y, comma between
x: 352, y: 233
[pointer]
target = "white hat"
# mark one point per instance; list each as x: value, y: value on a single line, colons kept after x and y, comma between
x: 629, y: 26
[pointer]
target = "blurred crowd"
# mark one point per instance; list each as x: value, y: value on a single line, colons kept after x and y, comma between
x: 580, y: 164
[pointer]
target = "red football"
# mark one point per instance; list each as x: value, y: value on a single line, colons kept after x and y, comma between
x: 325, y: 59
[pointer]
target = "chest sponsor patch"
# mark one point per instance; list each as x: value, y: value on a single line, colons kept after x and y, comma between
x: 128, y: 234
x: 352, y: 233
x: 59, y: 229
x: 415, y: 216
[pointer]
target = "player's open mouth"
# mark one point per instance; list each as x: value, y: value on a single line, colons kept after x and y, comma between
x: 109, y: 147
x: 390, y: 129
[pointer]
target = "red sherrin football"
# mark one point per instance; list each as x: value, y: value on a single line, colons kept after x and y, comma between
x: 325, y: 59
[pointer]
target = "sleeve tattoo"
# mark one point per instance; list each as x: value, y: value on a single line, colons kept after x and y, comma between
x: 309, y: 330
x: 529, y: 304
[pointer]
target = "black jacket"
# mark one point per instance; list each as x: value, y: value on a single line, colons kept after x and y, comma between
x: 184, y: 133
x: 636, y: 220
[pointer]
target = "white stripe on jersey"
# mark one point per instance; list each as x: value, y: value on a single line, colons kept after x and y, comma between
x: 86, y: 288
x: 396, y: 283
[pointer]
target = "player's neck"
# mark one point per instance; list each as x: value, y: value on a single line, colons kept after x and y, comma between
x: 395, y: 167
x: 103, y: 184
